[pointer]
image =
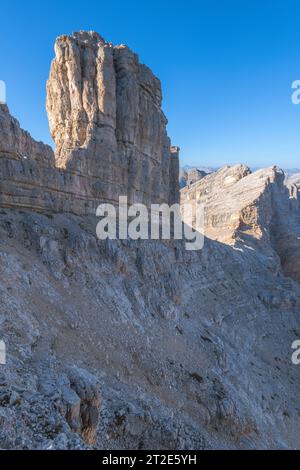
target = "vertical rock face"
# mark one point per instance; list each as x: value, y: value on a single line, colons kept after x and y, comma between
x: 105, y: 117
x: 81, y: 101
x: 174, y: 176
x: 82, y: 402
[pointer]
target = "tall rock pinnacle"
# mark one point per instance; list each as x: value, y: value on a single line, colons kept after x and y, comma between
x: 105, y: 117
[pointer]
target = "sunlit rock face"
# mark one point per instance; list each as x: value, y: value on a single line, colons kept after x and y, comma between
x: 256, y: 211
x: 105, y: 117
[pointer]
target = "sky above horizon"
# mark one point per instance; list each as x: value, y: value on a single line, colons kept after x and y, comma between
x: 226, y: 68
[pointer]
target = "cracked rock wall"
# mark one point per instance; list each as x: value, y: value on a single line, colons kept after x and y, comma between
x: 105, y: 117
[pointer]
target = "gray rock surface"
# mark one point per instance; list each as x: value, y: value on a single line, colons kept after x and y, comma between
x: 105, y: 117
x: 186, y: 349
x: 17, y: 144
x: 190, y: 176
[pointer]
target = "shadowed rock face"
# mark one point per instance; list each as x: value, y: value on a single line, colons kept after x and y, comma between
x: 29, y: 179
x: 105, y: 117
x: 186, y: 349
x: 253, y: 210
x: 285, y: 229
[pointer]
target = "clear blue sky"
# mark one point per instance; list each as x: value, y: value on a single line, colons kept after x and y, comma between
x: 226, y: 68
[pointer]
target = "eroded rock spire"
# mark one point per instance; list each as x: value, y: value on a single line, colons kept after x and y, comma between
x: 105, y: 117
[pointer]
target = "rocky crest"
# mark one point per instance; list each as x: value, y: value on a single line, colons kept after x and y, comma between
x: 189, y: 176
x: 15, y: 143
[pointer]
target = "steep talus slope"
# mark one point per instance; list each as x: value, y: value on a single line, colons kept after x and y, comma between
x: 176, y: 349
